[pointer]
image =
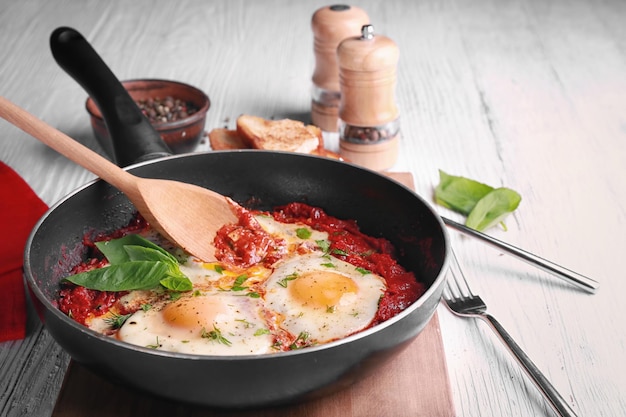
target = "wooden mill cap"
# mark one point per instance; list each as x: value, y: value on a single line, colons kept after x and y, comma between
x: 367, y: 79
x: 331, y: 25
x: 368, y: 53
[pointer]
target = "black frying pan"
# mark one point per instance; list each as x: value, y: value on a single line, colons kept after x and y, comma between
x: 381, y: 206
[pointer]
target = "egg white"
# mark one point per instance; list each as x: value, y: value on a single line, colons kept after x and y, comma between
x: 289, y: 233
x: 322, y: 297
x: 201, y: 323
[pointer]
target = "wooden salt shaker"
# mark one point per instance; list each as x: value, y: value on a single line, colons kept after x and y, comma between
x: 369, y: 126
x: 331, y: 25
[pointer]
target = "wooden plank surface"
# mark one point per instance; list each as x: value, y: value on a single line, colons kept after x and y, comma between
x: 415, y: 383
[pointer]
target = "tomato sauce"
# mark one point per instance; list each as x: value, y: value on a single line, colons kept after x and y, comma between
x: 246, y: 243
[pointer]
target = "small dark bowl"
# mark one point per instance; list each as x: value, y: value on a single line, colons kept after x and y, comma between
x: 182, y: 136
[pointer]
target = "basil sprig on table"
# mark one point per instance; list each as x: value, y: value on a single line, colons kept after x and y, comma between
x: 135, y: 264
x: 484, y: 206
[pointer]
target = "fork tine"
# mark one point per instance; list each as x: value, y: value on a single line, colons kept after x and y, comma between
x: 458, y: 286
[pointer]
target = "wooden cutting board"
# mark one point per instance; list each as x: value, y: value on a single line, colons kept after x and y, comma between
x: 415, y: 383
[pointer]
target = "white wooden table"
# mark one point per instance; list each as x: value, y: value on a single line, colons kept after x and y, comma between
x: 528, y: 94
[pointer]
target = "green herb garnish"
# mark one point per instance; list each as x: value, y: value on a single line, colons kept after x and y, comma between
x: 117, y: 320
x: 246, y: 323
x: 177, y: 283
x: 303, y: 233
x: 124, y: 277
x: 363, y: 271
x: 135, y: 264
x: 238, y: 284
x: 301, y: 341
x: 215, y: 335
x: 283, y: 282
x: 483, y: 205
x: 156, y: 345
x: 261, y: 332
x: 324, y: 245
x: 174, y: 295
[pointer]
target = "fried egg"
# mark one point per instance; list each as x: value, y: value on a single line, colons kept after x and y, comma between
x: 321, y: 297
x: 201, y: 323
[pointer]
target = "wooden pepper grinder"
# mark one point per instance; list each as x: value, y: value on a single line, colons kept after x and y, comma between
x: 369, y: 126
x: 331, y: 25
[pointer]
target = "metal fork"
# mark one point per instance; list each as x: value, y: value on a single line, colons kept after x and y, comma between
x: 462, y: 302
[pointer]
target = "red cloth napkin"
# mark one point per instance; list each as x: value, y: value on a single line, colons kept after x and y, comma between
x: 20, y: 208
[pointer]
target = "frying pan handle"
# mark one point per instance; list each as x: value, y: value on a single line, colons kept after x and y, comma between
x: 134, y: 139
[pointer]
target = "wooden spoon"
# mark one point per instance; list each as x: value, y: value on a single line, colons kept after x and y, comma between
x: 186, y: 214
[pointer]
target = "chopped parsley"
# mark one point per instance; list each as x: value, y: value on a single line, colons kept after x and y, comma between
x: 238, y: 284
x: 215, y: 335
x: 303, y: 233
x: 324, y: 245
x: 283, y: 282
x: 246, y: 323
x: 301, y: 341
x: 117, y: 320
x: 156, y: 345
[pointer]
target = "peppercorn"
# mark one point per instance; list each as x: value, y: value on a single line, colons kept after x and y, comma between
x: 165, y: 110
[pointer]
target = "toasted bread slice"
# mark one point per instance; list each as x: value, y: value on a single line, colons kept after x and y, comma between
x: 226, y: 139
x: 278, y: 135
x: 328, y: 154
x: 320, y: 137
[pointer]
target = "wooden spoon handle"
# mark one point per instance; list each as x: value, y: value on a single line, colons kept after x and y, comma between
x: 66, y: 146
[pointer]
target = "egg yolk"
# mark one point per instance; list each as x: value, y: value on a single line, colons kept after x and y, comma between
x: 321, y: 289
x: 192, y: 312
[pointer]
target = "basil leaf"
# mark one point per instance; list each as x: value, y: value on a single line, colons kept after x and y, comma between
x: 177, y: 283
x: 127, y: 276
x: 459, y: 193
x: 135, y: 264
x: 141, y: 253
x: 493, y: 208
x: 115, y: 253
